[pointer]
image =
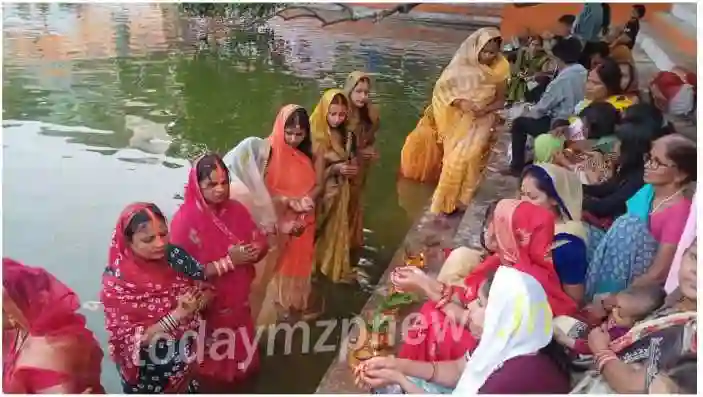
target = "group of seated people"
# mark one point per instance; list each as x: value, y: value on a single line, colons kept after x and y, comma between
x: 559, y: 304
x: 602, y: 235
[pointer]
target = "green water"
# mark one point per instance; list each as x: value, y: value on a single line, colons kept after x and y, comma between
x: 103, y: 105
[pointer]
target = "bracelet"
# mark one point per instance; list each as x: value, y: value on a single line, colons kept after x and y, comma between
x: 168, y: 323
x: 227, y: 263
x: 445, y: 296
x: 218, y: 267
x: 601, y: 363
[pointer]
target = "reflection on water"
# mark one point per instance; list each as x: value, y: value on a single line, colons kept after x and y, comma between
x: 104, y: 105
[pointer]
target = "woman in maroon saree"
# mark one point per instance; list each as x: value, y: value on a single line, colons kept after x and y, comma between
x: 47, y: 348
x: 210, y: 226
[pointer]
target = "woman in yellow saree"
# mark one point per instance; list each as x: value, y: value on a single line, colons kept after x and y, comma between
x: 363, y: 121
x: 337, y: 145
x: 459, y: 122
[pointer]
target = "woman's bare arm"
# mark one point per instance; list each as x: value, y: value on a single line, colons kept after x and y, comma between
x: 433, y: 292
x: 445, y: 373
x: 624, y: 378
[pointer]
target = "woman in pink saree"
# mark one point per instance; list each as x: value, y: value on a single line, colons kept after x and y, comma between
x: 47, y: 348
x: 209, y: 226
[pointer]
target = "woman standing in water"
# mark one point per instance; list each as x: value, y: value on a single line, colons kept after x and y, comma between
x: 294, y: 179
x: 47, y: 348
x: 363, y: 122
x: 459, y: 123
x: 337, y: 146
x: 209, y: 226
x: 150, y: 300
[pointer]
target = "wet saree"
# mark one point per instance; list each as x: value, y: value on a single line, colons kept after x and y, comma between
x: 295, y: 263
x: 333, y: 215
x: 48, y: 349
x: 365, y: 133
x: 524, y: 234
x: 207, y: 232
x: 247, y: 164
x: 446, y: 137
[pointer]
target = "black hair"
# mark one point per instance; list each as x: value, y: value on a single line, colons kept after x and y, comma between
x: 635, y: 143
x: 682, y: 152
x: 682, y: 372
x: 487, y: 216
x: 610, y: 74
x: 601, y: 48
x: 640, y: 9
x: 544, y: 184
x: 209, y: 163
x: 568, y: 50
x: 648, y: 298
x: 567, y: 19
x: 142, y: 217
x: 299, y: 118
x: 556, y: 352
x: 605, y: 25
x: 601, y: 119
x: 647, y: 113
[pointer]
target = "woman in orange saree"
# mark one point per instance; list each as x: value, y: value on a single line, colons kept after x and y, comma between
x: 452, y: 140
x: 294, y: 183
x: 363, y: 121
x: 47, y: 348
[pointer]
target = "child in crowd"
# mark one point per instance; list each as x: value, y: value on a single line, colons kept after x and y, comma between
x: 630, y: 306
x: 627, y: 35
x: 678, y: 378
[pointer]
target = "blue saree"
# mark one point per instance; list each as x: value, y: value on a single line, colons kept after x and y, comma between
x: 624, y: 251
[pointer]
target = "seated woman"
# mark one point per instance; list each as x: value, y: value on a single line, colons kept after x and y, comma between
x: 363, y: 121
x: 532, y: 64
x: 515, y: 355
x: 47, y: 348
x: 336, y: 145
x: 452, y: 140
x: 603, y: 85
x: 151, y: 300
x: 588, y: 144
x: 210, y: 226
x: 559, y: 190
x: 604, y: 202
x: 639, y: 247
x: 630, y: 363
x: 521, y: 234
x: 294, y: 176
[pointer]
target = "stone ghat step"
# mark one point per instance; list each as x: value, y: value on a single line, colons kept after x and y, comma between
x: 458, y: 231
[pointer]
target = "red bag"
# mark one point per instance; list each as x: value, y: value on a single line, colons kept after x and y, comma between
x: 674, y: 91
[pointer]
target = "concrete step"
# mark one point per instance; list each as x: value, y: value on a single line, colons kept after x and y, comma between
x: 685, y: 12
x: 669, y: 41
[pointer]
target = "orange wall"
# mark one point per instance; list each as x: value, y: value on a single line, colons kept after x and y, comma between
x: 518, y: 21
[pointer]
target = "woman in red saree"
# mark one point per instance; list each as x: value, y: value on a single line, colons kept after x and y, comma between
x: 520, y: 234
x: 294, y: 184
x: 151, y: 298
x: 47, y: 348
x: 209, y: 226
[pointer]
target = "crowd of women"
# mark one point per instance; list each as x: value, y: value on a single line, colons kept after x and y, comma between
x: 273, y: 211
x: 281, y: 209
x: 602, y: 230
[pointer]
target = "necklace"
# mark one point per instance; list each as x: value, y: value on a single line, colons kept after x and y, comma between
x: 666, y: 200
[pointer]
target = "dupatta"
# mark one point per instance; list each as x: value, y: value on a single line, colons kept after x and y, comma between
x: 354, y: 118
x: 565, y: 188
x: 247, y: 165
x: 286, y: 161
x: 466, y: 78
x: 517, y: 322
x: 135, y: 294
x: 64, y: 352
x: 320, y: 129
x: 524, y: 233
